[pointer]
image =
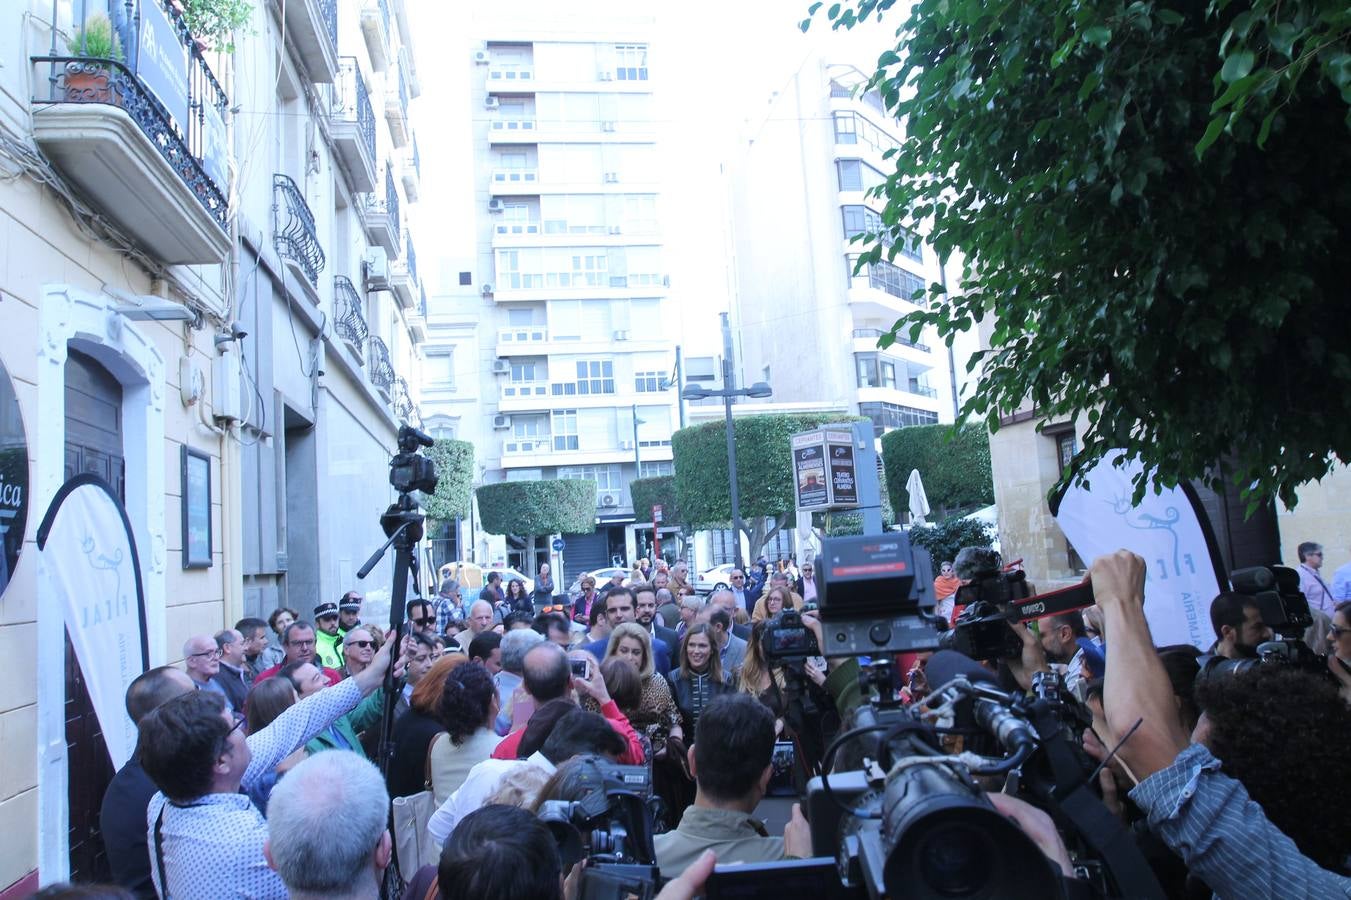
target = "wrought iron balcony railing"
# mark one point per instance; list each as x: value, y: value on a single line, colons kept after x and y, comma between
x: 392, y: 199
x: 410, y: 257
x: 378, y: 365
x: 352, y: 102
x: 400, y: 401
x: 184, y: 122
x: 295, y: 234
x: 348, y: 320
x: 329, y: 9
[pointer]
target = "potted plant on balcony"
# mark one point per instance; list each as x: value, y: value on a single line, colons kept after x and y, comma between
x: 88, y: 82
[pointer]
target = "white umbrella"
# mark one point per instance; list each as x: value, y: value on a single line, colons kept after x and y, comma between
x: 919, y: 503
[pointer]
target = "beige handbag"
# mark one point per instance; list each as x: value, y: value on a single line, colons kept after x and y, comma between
x: 413, y: 846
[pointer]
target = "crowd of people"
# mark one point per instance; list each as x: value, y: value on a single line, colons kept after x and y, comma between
x: 256, y: 770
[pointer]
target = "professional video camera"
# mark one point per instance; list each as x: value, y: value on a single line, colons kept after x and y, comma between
x: 876, y: 596
x: 610, y: 828
x: 1284, y: 610
x: 409, y: 470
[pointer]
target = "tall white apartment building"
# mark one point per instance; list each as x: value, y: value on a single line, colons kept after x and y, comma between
x: 573, y: 344
x: 806, y: 323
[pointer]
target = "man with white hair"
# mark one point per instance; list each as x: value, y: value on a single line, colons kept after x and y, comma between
x: 358, y: 649
x: 480, y: 620
x: 514, y: 646
x: 315, y: 859
x: 201, y: 660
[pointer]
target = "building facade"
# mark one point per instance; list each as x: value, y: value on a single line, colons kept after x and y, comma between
x: 573, y: 346
x: 191, y: 271
x: 806, y: 322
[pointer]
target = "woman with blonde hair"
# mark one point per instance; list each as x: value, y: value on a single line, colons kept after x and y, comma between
x: 773, y: 603
x: 656, y: 714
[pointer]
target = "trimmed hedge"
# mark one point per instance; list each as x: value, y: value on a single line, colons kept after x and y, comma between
x: 954, y: 464
x: 454, y: 461
x: 538, y: 507
x: 659, y: 491
x: 946, y: 538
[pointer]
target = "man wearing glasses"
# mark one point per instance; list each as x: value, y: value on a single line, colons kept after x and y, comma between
x: 358, y: 649
x: 1315, y: 589
x: 201, y: 659
x: 745, y: 596
x: 298, y: 642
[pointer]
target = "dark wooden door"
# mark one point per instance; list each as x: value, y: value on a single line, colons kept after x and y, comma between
x: 93, y: 445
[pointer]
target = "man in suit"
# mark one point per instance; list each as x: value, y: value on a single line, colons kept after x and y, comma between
x: 619, y: 608
x: 645, y: 605
x: 727, y: 601
x: 731, y: 649
x: 744, y: 594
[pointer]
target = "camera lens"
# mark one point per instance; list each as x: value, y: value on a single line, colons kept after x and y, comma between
x: 954, y: 860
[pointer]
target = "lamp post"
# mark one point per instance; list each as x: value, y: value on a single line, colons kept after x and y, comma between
x: 729, y: 392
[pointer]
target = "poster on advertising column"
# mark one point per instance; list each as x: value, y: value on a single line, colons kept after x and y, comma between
x: 809, y: 470
x: 843, y: 476
x: 87, y: 564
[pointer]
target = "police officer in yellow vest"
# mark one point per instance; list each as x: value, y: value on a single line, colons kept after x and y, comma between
x: 328, y: 642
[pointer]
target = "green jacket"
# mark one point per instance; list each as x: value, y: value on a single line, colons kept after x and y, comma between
x: 328, y: 647
x: 350, y: 726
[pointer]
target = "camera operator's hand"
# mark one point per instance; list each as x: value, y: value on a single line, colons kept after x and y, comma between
x: 814, y: 673
x: 1033, y: 659
x: 813, y: 622
x: 1038, y: 826
x: 797, y: 835
x: 690, y: 883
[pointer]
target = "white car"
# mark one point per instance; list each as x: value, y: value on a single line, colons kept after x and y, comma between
x: 718, y: 575
x: 601, y: 576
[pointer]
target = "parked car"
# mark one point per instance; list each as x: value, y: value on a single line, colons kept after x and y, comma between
x: 601, y: 576
x: 508, y: 574
x: 718, y: 576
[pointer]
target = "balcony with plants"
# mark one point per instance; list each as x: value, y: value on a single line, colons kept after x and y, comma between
x: 383, y: 221
x: 312, y: 28
x: 128, y: 110
x: 351, y: 122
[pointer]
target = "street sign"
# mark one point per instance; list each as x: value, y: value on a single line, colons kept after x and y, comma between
x: 656, y: 512
x: 558, y: 545
x: 825, y: 470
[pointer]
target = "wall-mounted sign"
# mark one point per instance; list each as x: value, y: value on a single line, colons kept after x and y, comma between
x: 824, y: 469
x: 162, y: 61
x: 196, y: 509
x: 13, y: 480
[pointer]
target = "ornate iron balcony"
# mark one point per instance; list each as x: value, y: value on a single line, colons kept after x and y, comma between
x: 329, y: 8
x: 295, y: 235
x: 378, y: 365
x: 410, y: 257
x: 400, y: 401
x: 352, y: 102
x: 348, y: 320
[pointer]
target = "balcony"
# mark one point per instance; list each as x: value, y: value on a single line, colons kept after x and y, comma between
x: 349, y: 323
x: 525, y: 339
x: 524, y: 445
x: 411, y: 171
x: 380, y: 370
x: 513, y: 181
x: 375, y: 27
x: 312, y: 26
x: 874, y: 333
x: 352, y: 125
x: 294, y: 234
x: 383, y: 224
x: 396, y: 108
x: 401, y: 402
x: 403, y: 276
x: 154, y: 163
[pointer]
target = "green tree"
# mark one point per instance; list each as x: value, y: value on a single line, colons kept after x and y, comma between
x: 954, y: 464
x: 946, y: 538
x: 454, y: 462
x: 764, y: 473
x: 1143, y: 194
x: 534, y: 508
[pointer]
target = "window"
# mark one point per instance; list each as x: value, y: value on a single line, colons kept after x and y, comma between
x: 565, y: 429
x: 466, y: 279
x: 529, y: 426
x: 440, y: 369
x: 861, y: 220
x: 912, y: 245
x: 876, y: 371
x: 856, y: 175
x: 524, y: 371
x: 631, y: 62
x: 886, y: 416
x: 594, y: 376
x: 609, y: 479
x: 895, y: 281
x: 647, y: 382
x: 851, y: 128
x: 1066, y: 445
x: 845, y: 133
x: 655, y: 469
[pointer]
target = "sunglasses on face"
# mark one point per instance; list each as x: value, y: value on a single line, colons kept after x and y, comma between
x: 553, y: 609
x: 430, y: 620
x: 364, y: 645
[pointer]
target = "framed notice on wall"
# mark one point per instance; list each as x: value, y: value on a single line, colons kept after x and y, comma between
x: 196, y: 509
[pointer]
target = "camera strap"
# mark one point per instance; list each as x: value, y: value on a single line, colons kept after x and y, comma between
x: 1053, y: 603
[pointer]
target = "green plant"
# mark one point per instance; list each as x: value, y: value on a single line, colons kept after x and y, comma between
x: 215, y: 22
x: 953, y: 463
x: 454, y: 461
x: 650, y: 492
x: 530, y: 508
x: 1141, y: 198
x: 946, y: 538
x: 96, y: 39
x: 764, y: 473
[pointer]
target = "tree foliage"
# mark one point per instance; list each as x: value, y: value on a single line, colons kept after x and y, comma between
x: 946, y: 538
x: 529, y: 508
x: 1144, y: 195
x: 764, y: 473
x: 954, y: 464
x: 454, y: 461
x: 659, y: 491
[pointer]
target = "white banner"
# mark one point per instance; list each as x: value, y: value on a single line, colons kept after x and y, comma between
x: 1180, y: 580
x: 87, y: 562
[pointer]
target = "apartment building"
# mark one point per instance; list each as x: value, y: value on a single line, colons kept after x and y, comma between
x: 190, y: 272
x: 805, y: 321
x: 567, y: 321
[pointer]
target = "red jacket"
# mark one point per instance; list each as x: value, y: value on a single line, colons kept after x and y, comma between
x: 331, y: 674
x: 633, y: 755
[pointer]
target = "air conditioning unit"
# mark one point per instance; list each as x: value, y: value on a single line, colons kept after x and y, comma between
x: 621, y: 335
x: 491, y: 103
x: 482, y: 57
x: 615, y: 229
x: 501, y: 366
x: 611, y: 177
x: 606, y: 76
x: 501, y: 423
x: 607, y: 126
x: 608, y: 500
x: 626, y: 445
x: 486, y: 289
x: 376, y: 268
x: 495, y: 205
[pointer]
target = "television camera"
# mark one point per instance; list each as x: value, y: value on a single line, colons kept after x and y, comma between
x: 1284, y: 610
